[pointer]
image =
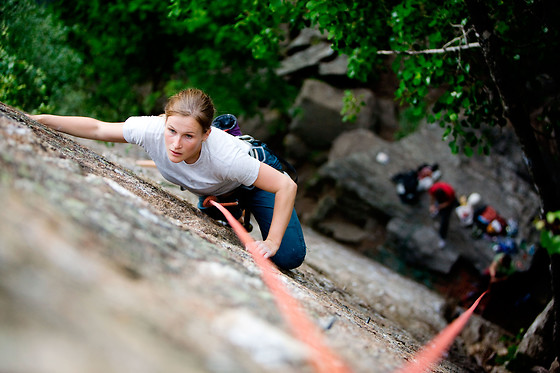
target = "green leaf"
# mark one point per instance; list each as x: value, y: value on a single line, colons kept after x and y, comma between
x: 453, y: 117
x: 551, y: 216
x: 275, y: 5
x: 454, y: 147
x: 550, y: 242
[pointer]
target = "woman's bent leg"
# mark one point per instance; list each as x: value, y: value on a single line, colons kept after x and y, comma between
x: 292, y: 249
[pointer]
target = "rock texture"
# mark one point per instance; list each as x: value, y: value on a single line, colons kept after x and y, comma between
x: 102, y: 270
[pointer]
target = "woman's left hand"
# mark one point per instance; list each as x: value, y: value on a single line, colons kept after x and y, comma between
x: 266, y: 248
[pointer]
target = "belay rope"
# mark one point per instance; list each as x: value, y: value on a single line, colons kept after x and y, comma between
x: 432, y: 351
x: 324, y: 360
x: 322, y: 357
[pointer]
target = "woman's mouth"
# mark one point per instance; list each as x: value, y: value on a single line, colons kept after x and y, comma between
x: 174, y: 153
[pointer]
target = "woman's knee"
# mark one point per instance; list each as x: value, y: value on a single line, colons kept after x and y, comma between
x: 289, y: 258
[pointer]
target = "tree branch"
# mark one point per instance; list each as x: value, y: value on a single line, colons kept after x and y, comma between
x: 434, y: 51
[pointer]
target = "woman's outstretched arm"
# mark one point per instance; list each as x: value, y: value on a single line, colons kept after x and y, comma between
x: 88, y: 128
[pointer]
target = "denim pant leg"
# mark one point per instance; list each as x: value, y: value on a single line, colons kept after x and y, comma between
x: 445, y: 215
x: 292, y: 249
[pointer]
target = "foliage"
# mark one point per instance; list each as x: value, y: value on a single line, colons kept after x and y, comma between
x: 550, y: 232
x: 36, y: 66
x: 460, y: 106
x: 139, y: 52
x: 351, y: 106
x: 21, y: 83
x: 512, y: 343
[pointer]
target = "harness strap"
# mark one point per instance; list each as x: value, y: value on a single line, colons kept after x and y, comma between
x: 259, y: 151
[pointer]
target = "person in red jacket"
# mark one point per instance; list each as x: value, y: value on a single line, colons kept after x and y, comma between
x: 442, y: 203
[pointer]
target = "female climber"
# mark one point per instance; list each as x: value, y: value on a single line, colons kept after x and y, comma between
x: 207, y: 161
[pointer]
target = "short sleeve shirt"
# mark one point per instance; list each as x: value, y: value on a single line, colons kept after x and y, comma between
x: 447, y: 190
x: 224, y: 163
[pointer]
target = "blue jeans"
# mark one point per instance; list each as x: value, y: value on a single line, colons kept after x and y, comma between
x: 261, y: 204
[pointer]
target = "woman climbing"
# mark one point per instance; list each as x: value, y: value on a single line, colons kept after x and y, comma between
x: 189, y: 152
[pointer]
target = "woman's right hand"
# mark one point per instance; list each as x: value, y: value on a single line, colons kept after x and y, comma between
x: 36, y: 117
x: 266, y: 248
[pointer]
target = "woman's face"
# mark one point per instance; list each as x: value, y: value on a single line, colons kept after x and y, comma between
x: 183, y: 139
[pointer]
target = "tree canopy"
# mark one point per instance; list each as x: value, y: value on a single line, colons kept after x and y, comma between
x: 436, y: 46
x: 37, y: 66
x: 129, y: 56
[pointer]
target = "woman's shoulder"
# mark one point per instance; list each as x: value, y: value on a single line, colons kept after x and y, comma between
x: 221, y: 138
x: 146, y: 120
x: 137, y: 129
x: 223, y: 148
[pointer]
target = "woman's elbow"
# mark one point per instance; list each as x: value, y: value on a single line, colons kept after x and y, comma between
x: 291, y: 186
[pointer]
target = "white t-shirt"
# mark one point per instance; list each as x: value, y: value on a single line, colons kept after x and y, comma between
x: 224, y: 163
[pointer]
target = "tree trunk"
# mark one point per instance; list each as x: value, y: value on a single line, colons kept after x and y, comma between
x: 541, y: 154
x: 555, y: 271
x: 541, y: 158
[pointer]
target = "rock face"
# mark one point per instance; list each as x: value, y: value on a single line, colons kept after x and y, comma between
x: 101, y: 270
x: 534, y: 347
x: 364, y: 191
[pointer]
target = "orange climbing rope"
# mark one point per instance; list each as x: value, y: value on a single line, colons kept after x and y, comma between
x: 322, y: 357
x: 208, y: 202
x: 432, y: 351
x: 324, y: 360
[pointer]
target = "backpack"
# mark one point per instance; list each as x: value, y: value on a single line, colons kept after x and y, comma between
x: 259, y: 150
x: 407, y: 186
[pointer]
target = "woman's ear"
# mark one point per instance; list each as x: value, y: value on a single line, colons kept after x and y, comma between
x: 206, y: 134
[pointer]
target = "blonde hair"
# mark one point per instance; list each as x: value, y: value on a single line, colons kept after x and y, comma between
x: 193, y: 103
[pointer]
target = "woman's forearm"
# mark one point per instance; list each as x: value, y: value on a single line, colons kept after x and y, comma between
x: 89, y: 128
x: 284, y: 189
x: 283, y: 206
x: 75, y: 126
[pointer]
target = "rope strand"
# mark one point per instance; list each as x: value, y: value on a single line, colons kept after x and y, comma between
x: 322, y: 358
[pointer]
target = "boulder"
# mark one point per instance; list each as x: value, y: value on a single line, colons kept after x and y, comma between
x: 419, y: 244
x: 307, y: 58
x: 535, y: 347
x: 319, y: 122
x: 338, y: 66
x: 306, y: 38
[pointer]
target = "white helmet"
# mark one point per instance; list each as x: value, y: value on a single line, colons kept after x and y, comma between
x: 473, y: 199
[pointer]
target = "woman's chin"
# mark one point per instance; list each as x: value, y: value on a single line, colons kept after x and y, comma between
x: 174, y: 158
